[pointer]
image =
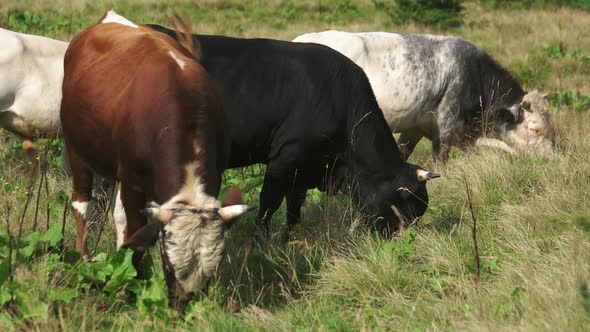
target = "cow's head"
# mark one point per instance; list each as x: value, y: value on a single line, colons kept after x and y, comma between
x: 191, y: 226
x: 532, y: 132
x: 403, y: 199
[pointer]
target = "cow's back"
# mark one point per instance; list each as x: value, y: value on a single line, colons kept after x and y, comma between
x: 117, y: 88
x: 408, y: 72
x: 285, y: 87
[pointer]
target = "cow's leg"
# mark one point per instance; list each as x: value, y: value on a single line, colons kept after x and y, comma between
x: 441, y: 149
x: 133, y: 202
x: 448, y: 125
x: 81, y: 198
x: 295, y: 199
x: 271, y: 196
x: 118, y: 215
x: 408, y: 140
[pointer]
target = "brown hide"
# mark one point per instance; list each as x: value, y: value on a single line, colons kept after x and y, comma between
x: 134, y: 112
x: 130, y: 111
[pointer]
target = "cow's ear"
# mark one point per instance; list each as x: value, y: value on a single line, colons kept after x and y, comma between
x: 144, y: 238
x: 424, y: 176
x: 232, y: 197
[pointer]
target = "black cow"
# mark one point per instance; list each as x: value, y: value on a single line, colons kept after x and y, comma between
x: 309, y: 113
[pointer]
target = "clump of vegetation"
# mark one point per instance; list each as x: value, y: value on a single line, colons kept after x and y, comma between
x: 104, y: 277
x: 443, y: 14
x: 539, y: 4
x: 575, y: 101
x: 539, y: 65
x: 49, y: 25
x: 535, y: 71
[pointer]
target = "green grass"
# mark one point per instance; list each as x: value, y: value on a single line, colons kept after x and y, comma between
x: 532, y: 212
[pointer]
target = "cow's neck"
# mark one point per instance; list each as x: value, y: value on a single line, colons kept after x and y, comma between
x: 372, y: 150
x: 499, y: 89
x: 181, y: 158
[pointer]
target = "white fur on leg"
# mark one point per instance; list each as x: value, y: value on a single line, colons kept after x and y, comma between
x: 119, y: 217
x: 81, y: 208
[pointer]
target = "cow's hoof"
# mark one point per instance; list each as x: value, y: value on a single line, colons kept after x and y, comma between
x: 286, y: 235
x: 261, y: 237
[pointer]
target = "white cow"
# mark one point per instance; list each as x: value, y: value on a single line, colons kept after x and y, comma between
x: 445, y: 89
x: 31, y: 74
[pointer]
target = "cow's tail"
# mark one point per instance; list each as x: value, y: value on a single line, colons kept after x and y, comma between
x: 184, y: 35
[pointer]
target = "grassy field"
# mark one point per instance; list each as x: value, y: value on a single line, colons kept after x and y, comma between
x: 533, y: 213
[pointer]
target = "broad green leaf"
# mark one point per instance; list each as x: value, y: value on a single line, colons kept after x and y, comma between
x: 101, y: 257
x: 152, y: 297
x: 123, y: 270
x: 32, y: 240
x: 65, y: 296
x: 96, y: 272
x: 33, y: 237
x: 5, y: 296
x: 53, y: 235
x: 3, y: 270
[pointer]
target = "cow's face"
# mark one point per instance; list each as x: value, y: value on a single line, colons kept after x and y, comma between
x: 411, y: 193
x: 533, y: 133
x: 404, y: 199
x: 191, y: 226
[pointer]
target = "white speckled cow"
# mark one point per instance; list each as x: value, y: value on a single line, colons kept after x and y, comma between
x: 31, y: 73
x: 446, y: 89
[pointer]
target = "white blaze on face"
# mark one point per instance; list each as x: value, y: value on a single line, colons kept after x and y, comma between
x: 119, y: 217
x: 194, y: 235
x: 113, y: 17
x: 178, y: 60
x: 81, y: 208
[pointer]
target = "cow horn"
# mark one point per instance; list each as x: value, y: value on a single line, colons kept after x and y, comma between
x: 162, y: 215
x: 424, y: 176
x: 151, y: 212
x: 228, y: 213
x: 153, y: 204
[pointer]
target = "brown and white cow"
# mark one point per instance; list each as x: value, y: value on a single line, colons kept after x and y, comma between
x: 138, y: 107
